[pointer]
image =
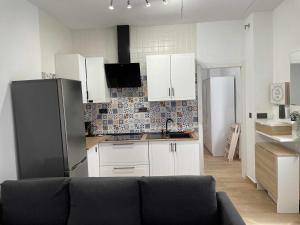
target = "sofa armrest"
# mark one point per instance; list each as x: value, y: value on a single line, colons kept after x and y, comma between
x: 227, y: 212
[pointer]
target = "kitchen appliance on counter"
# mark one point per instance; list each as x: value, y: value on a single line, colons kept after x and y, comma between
x: 49, y: 123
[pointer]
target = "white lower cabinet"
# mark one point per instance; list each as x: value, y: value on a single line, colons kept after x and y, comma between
x: 174, y: 158
x: 124, y: 171
x: 124, y: 159
x: 93, y: 161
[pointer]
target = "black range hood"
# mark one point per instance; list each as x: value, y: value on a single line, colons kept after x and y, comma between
x: 123, y: 74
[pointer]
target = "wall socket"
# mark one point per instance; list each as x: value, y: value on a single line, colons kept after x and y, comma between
x: 103, y: 111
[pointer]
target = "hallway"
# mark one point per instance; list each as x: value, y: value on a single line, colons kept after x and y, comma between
x: 255, y: 206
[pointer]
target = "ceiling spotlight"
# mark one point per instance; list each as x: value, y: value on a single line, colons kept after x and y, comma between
x: 129, y: 6
x: 165, y: 2
x: 148, y: 4
x: 111, y: 6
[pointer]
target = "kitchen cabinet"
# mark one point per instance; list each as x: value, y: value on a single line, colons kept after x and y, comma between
x: 90, y: 71
x: 174, y: 158
x: 124, y: 159
x: 171, y: 77
x: 93, y: 161
x: 72, y: 67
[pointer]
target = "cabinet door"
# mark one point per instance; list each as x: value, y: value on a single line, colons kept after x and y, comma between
x: 161, y: 159
x: 183, y: 77
x: 158, y: 78
x: 93, y: 161
x: 124, y: 171
x: 187, y: 158
x: 72, y: 66
x: 98, y: 91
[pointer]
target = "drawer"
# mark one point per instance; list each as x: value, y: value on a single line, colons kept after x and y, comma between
x: 124, y: 153
x: 124, y: 171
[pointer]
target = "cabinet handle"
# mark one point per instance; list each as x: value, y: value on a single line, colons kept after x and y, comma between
x: 169, y: 91
x: 171, y: 150
x: 124, y: 143
x: 125, y: 168
x: 175, y: 147
x: 173, y: 92
x: 96, y: 149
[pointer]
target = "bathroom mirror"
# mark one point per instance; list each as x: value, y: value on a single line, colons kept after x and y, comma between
x: 295, y: 78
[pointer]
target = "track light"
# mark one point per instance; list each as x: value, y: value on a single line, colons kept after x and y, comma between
x: 165, y: 2
x: 148, y: 4
x: 129, y: 6
x: 111, y: 6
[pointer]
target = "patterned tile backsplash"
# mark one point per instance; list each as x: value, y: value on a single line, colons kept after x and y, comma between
x: 124, y: 117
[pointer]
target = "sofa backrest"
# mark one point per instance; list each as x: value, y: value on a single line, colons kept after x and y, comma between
x: 35, y: 202
x: 187, y: 200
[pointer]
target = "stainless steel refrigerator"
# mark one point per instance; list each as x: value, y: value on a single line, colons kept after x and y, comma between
x: 49, y: 124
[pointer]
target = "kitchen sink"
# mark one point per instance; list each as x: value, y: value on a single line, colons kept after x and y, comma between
x: 171, y: 135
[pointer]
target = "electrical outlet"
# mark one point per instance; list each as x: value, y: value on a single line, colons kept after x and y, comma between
x: 103, y: 111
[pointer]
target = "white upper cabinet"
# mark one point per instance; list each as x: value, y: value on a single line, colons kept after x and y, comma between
x: 171, y: 77
x: 183, y: 77
x: 158, y: 78
x: 72, y: 67
x: 91, y: 73
x: 96, y: 80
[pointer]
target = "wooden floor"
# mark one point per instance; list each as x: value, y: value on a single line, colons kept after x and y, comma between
x: 255, y: 206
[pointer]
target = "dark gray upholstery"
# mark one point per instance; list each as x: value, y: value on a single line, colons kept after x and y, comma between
x: 188, y: 200
x: 35, y: 202
x: 228, y: 213
x: 107, y: 201
x: 179, y: 200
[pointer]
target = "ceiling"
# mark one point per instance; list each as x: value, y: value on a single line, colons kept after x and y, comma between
x: 83, y: 14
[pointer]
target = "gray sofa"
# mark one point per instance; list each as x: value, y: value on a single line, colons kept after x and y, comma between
x: 186, y: 200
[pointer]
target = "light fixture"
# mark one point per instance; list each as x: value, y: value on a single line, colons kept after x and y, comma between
x: 148, y: 4
x: 111, y: 6
x: 129, y: 6
x: 165, y: 2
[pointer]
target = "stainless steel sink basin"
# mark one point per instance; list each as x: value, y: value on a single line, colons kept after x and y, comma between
x: 171, y: 135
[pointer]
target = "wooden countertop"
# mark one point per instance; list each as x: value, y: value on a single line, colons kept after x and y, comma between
x: 92, y: 141
x: 277, y: 149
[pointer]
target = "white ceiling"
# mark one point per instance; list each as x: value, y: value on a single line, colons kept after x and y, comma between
x: 81, y: 14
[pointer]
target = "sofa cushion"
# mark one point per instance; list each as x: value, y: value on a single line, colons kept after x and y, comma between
x: 35, y: 202
x: 104, y: 201
x: 188, y: 200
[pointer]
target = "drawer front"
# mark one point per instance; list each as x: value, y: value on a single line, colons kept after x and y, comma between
x: 124, y: 171
x: 266, y: 170
x: 124, y: 153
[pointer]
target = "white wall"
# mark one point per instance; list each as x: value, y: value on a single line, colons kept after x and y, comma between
x: 258, y: 75
x: 144, y: 40
x: 55, y: 39
x: 19, y: 59
x: 220, y: 44
x: 96, y: 42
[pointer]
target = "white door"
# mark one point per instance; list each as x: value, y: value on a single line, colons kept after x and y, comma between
x: 161, y: 159
x: 124, y: 171
x: 93, y: 161
x: 98, y: 91
x: 183, y: 76
x: 72, y: 66
x: 187, y: 158
x: 158, y: 78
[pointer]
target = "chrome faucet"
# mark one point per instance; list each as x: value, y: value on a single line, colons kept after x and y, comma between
x: 167, y: 122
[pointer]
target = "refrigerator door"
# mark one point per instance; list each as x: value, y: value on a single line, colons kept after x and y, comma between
x: 38, y: 129
x: 72, y: 122
x: 79, y: 170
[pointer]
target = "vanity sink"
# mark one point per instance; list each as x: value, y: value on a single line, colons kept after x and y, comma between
x: 171, y: 135
x: 273, y: 127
